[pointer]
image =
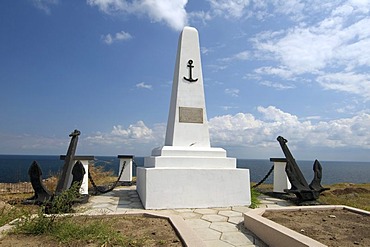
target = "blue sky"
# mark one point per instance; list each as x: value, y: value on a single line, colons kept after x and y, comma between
x: 299, y: 69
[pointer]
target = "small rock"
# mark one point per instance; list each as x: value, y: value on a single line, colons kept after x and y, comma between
x: 332, y: 216
x: 356, y: 243
x: 302, y: 230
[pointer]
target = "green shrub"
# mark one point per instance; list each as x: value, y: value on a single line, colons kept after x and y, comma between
x: 41, y: 224
x: 62, y: 203
x: 254, y: 198
x: 35, y: 225
x: 8, y: 214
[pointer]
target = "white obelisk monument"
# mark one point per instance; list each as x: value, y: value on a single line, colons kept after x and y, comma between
x: 187, y: 172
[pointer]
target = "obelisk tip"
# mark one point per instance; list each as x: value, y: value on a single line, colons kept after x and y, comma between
x: 189, y: 29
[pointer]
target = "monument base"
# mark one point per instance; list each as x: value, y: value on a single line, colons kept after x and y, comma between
x: 161, y: 188
x: 189, y: 157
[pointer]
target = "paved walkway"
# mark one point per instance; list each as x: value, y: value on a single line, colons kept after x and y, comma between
x: 216, y: 227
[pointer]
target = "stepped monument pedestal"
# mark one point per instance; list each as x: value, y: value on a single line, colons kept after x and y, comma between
x: 187, y: 172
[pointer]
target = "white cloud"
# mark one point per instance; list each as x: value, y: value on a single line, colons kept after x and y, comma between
x: 32, y: 144
x: 171, y: 12
x: 347, y: 82
x: 224, y: 62
x: 226, y: 107
x: 278, y: 86
x: 232, y: 8
x: 123, y: 36
x: 44, y: 5
x: 292, y: 8
x: 301, y: 50
x: 234, y: 92
x: 260, y: 9
x: 244, y: 129
x: 204, y: 50
x: 120, y: 36
x: 212, y: 49
x: 244, y: 55
x: 143, y: 85
x: 280, y: 72
x: 111, y: 6
x: 331, y: 48
x: 203, y: 16
x: 134, y: 133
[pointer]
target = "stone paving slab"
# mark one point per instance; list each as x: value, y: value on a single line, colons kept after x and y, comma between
x: 223, y: 227
x: 214, y: 218
x: 217, y: 243
x: 230, y: 213
x: 208, y: 234
x: 237, y: 239
x: 206, y: 211
x: 241, y: 209
x: 236, y: 220
x: 198, y: 223
x: 216, y: 227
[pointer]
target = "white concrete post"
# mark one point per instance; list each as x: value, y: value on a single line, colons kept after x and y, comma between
x: 281, y: 181
x: 126, y: 177
x: 84, y: 189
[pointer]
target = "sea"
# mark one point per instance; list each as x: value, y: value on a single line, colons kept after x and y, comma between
x: 14, y: 168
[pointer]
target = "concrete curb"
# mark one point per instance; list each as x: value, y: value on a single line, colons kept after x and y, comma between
x: 4, y: 229
x: 184, y: 232
x: 277, y: 235
x: 187, y: 235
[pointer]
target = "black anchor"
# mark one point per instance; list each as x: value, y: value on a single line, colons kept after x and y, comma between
x: 190, y: 79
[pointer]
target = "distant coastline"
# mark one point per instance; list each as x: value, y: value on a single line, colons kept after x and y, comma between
x: 14, y: 168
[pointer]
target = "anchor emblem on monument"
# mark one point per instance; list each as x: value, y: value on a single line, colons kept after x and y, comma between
x: 190, y: 79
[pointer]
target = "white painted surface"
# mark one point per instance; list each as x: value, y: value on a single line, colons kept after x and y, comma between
x: 127, y: 171
x: 191, y: 157
x: 84, y: 189
x: 187, y: 172
x: 161, y: 188
x: 189, y: 151
x: 281, y: 181
x: 187, y: 94
x: 189, y: 162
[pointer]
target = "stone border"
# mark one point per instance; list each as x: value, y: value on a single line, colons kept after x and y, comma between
x: 277, y: 235
x: 184, y: 232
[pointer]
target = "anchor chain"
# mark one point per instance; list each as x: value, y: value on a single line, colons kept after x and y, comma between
x: 97, y: 189
x: 263, y: 179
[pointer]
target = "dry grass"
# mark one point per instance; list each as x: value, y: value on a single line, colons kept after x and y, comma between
x: 100, y: 176
x: 16, y: 198
x: 353, y: 195
x: 349, y: 194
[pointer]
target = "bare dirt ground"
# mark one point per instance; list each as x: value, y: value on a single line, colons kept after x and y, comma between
x: 330, y: 227
x: 146, y: 231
